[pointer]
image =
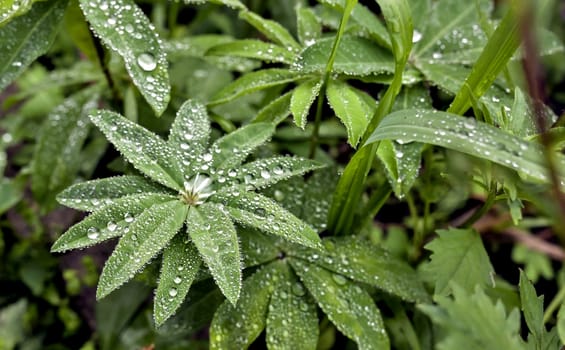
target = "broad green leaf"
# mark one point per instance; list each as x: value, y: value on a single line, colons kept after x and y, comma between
x: 214, y: 235
x: 521, y: 118
x: 237, y: 326
x: 123, y: 26
x: 267, y: 171
x: 276, y: 111
x: 251, y: 48
x: 263, y: 213
x: 363, y: 262
x: 90, y: 195
x: 493, y: 59
x: 180, y: 264
x: 355, y: 57
x: 77, y: 28
x: 292, y: 321
x: 232, y: 149
x: 402, y: 164
x: 350, y: 108
x: 302, y: 98
x: 190, y: 131
x: 146, y: 151
x: 317, y: 197
x: 271, y: 30
x: 532, y: 307
x: 474, y: 322
x: 308, y: 27
x: 108, y: 221
x: 55, y: 164
x: 9, y: 9
x: 257, y: 248
x: 347, y: 305
x: 464, y: 135
x: 148, y: 234
x: 255, y: 81
x: 458, y: 256
x: 27, y: 37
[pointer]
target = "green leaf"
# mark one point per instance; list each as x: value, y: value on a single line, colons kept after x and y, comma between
x: 214, y: 235
x: 108, y: 221
x: 27, y: 37
x: 402, y: 164
x: 88, y: 196
x: 255, y: 81
x: 149, y: 233
x: 355, y: 57
x: 55, y: 164
x: 237, y: 326
x: 458, y: 256
x: 251, y: 48
x: 12, y: 324
x: 464, y: 135
x: 10, y: 194
x: 263, y: 213
x: 180, y: 264
x: 561, y: 323
x: 363, y: 262
x: 257, y: 248
x: 474, y: 322
x: 532, y: 307
x: 308, y: 27
x: 495, y: 55
x: 146, y: 151
x: 190, y: 131
x: 347, y: 305
x: 275, y: 111
x: 292, y: 321
x: 123, y: 26
x: 267, y: 171
x: 302, y: 98
x: 232, y: 149
x: 271, y: 30
x: 350, y: 108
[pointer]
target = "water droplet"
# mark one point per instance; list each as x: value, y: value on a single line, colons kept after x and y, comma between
x: 128, y: 218
x: 112, y: 226
x: 207, y: 157
x: 112, y: 21
x: 298, y: 289
x: 93, y: 233
x: 278, y: 171
x: 147, y: 62
x: 173, y: 292
x: 416, y: 36
x: 339, y: 279
x: 177, y: 280
x: 265, y: 174
x: 279, y: 195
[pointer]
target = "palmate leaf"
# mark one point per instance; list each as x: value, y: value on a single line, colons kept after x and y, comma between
x: 308, y: 27
x: 150, y: 232
x: 190, y: 132
x: 355, y: 57
x: 257, y: 248
x: 214, y: 235
x: 232, y: 149
x: 267, y: 171
x: 532, y: 307
x: 348, y: 306
x: 351, y: 108
x: 458, y: 257
x: 364, y: 263
x: 251, y: 48
x: 123, y: 26
x: 108, y: 221
x: 90, y: 195
x: 180, y: 264
x: 292, y: 321
x: 236, y: 327
x: 27, y: 37
x: 272, y: 30
x: 255, y: 81
x: 55, y: 164
x: 263, y: 213
x: 302, y: 98
x: 464, y: 135
x: 146, y: 151
x: 474, y: 322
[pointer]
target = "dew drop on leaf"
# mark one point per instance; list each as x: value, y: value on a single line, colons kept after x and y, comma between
x: 93, y: 233
x: 173, y: 292
x: 112, y: 226
x: 147, y: 62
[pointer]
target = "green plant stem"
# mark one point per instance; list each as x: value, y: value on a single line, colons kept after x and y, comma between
x: 555, y: 303
x: 327, y: 73
x: 491, y: 199
x: 418, y: 231
x: 376, y: 201
x: 100, y: 53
